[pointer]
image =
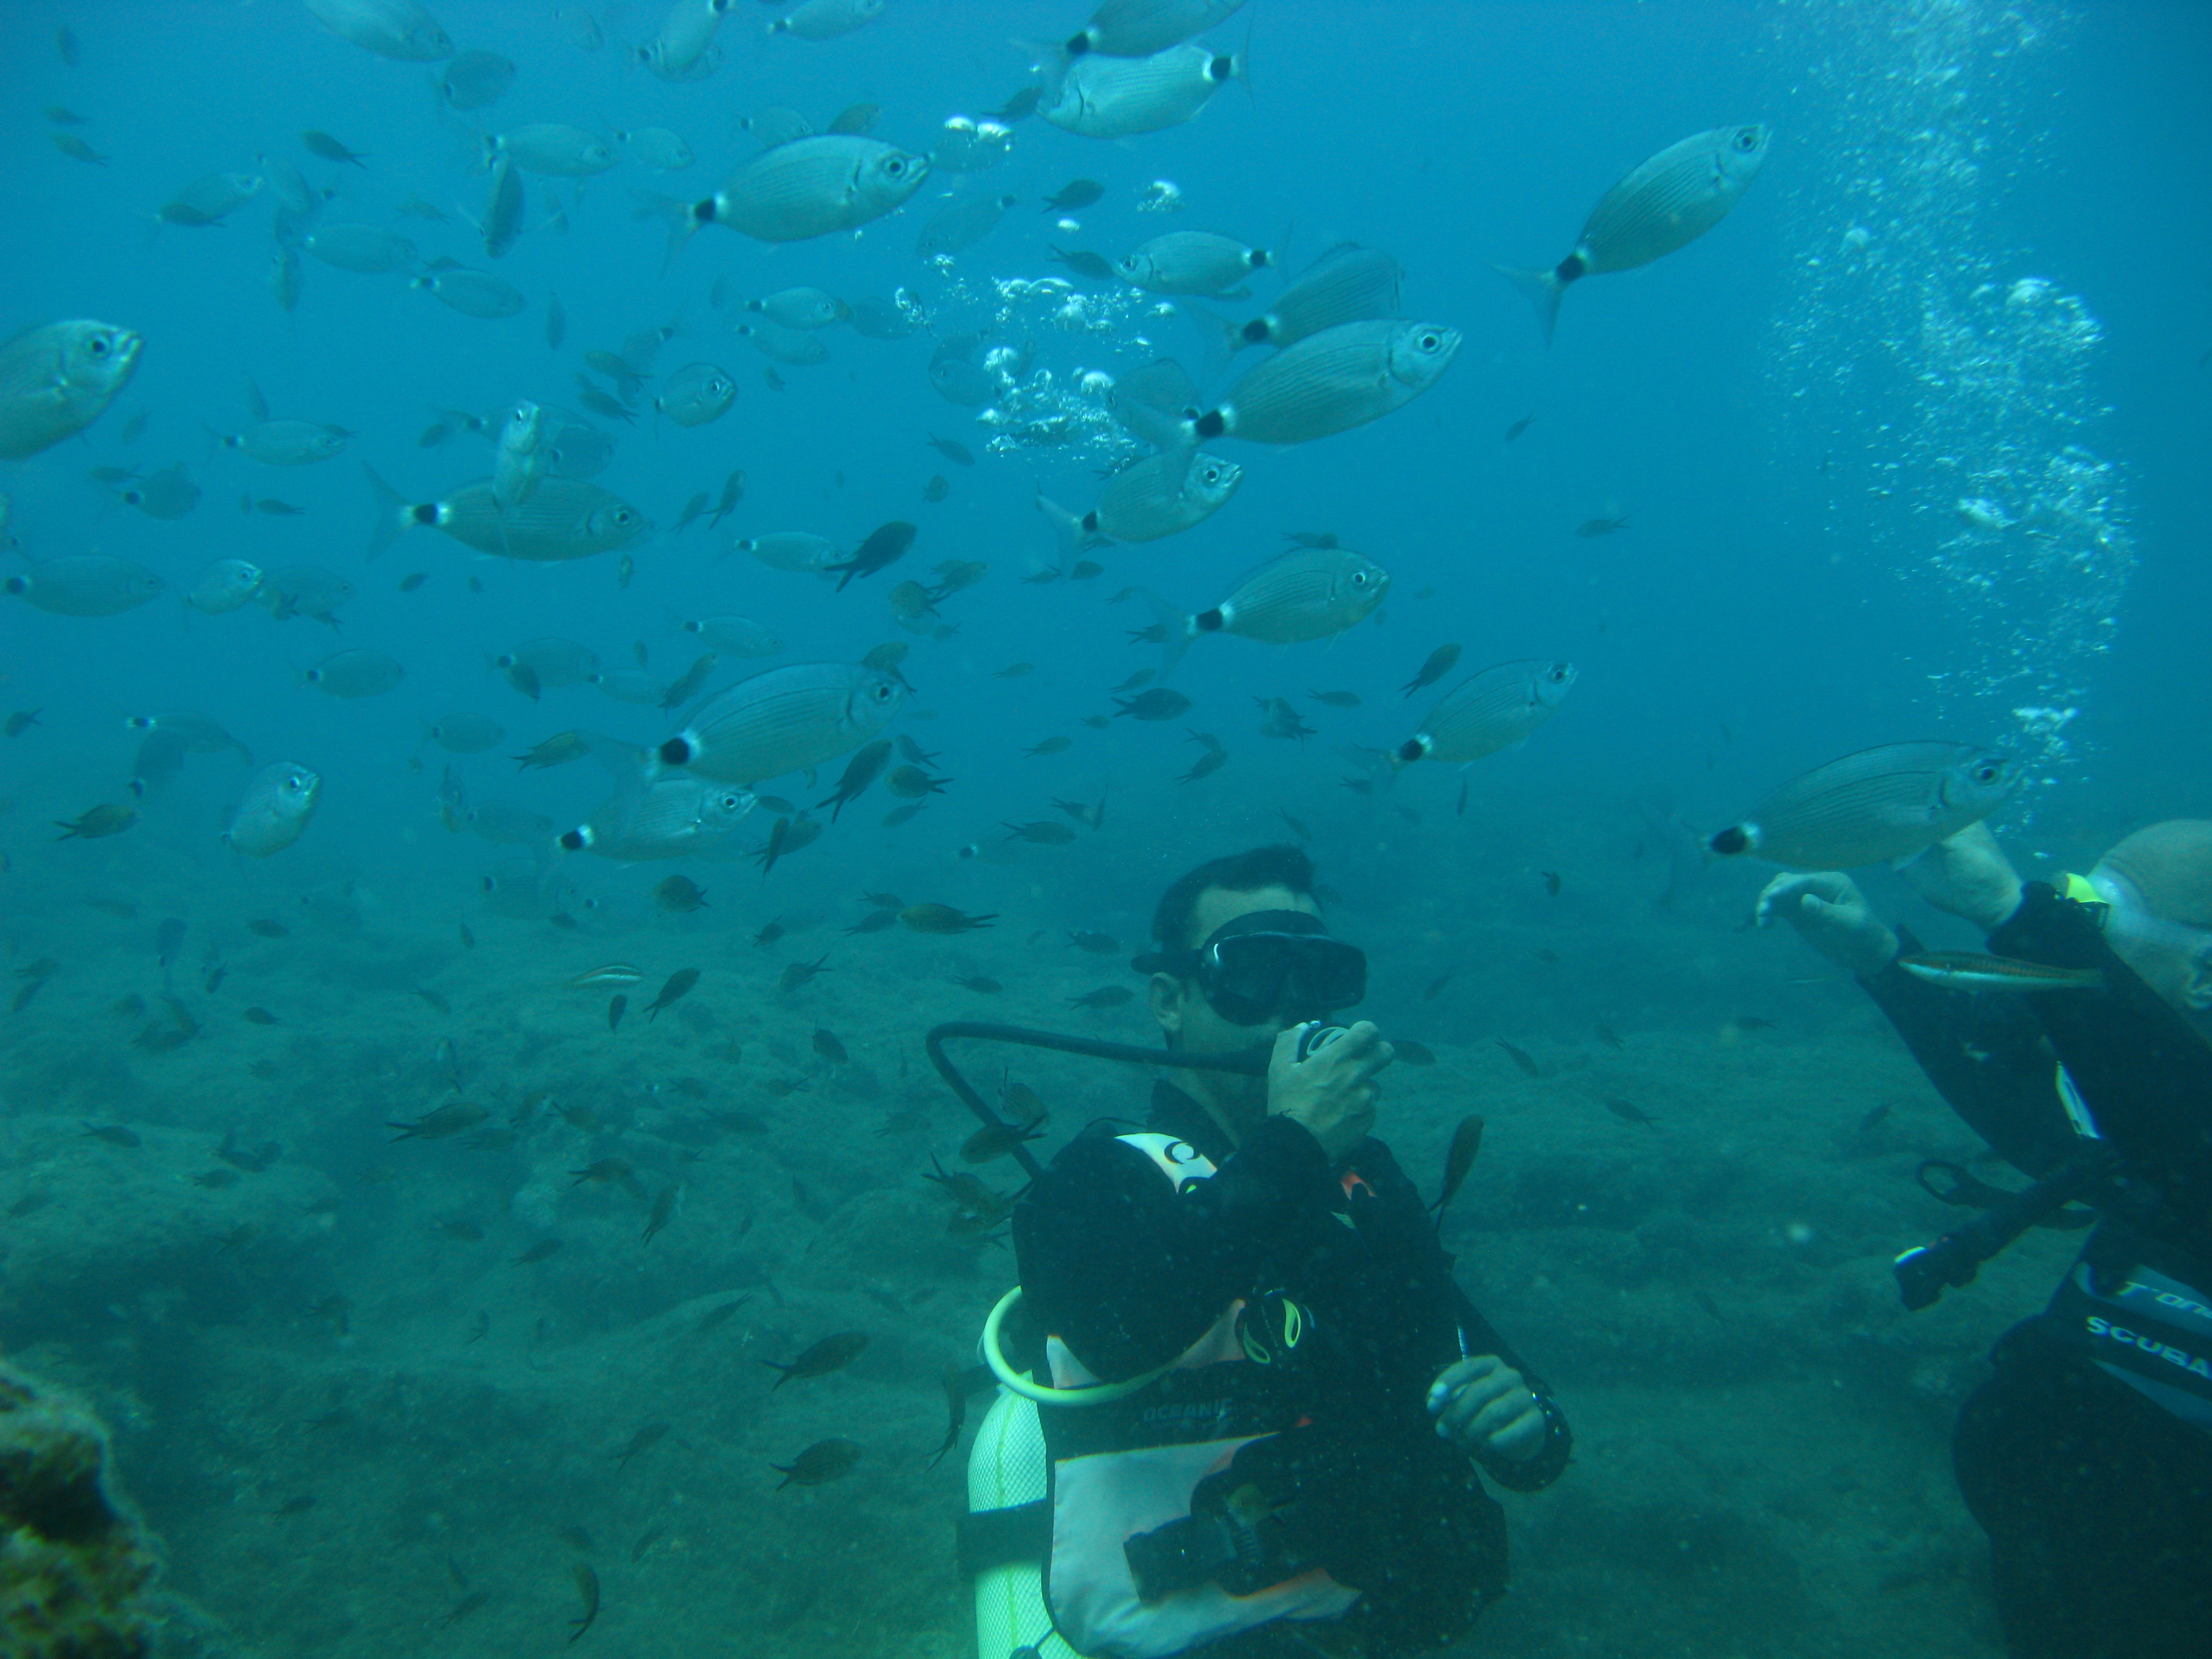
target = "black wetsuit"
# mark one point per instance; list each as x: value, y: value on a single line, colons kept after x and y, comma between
x: 2093, y: 1479
x: 1129, y: 1273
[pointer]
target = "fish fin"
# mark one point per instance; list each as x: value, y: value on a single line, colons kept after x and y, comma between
x: 682, y: 221
x: 1074, y: 538
x: 1224, y: 339
x: 1178, y: 628
x: 391, y: 516
x: 1152, y: 402
x: 1544, y: 289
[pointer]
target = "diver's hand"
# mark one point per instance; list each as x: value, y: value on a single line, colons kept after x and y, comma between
x: 1830, y: 914
x: 1332, y: 1093
x: 1968, y: 876
x: 1482, y: 1404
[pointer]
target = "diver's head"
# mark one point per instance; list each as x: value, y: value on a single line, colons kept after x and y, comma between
x: 1242, y: 955
x: 2158, y: 883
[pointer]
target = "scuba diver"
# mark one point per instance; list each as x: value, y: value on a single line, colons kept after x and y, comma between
x: 2082, y: 1052
x: 1269, y: 1403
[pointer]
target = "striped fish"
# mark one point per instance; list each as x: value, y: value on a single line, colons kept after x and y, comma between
x: 1969, y: 970
x: 784, y: 721
x: 1880, y: 805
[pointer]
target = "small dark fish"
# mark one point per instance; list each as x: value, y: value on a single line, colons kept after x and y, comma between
x: 956, y: 1408
x: 1083, y: 263
x: 937, y: 488
x: 1519, y: 427
x: 1873, y: 1117
x: 644, y: 1440
x: 1324, y: 540
x: 114, y: 1133
x: 722, y: 1314
x: 1076, y: 194
x: 299, y: 1505
x: 819, y: 1464
x: 216, y: 1180
x: 886, y: 545
x: 322, y: 145
x: 1020, y: 106
x: 1413, y: 1053
x: 20, y: 721
x: 1158, y: 704
x: 942, y: 919
x: 664, y: 1212
x: 462, y: 1608
x: 587, y: 1586
x: 1708, y: 1304
x: 1544, y: 954
x: 1436, y: 986
x: 1589, y: 529
x: 413, y: 579
x: 434, y: 999
x: 827, y: 1045
x: 1099, y: 944
x: 447, y: 1120
x: 1335, y: 699
x: 958, y: 454
x: 267, y: 929
x: 680, y: 894
x: 874, y: 922
x: 798, y: 973
x: 997, y: 1141
x: 769, y: 933
x: 543, y: 1249
x: 1044, y: 832
x: 1521, y: 1057
x: 1106, y: 996
x: 989, y: 987
x: 831, y: 1353
x: 1608, y: 1036
x: 672, y: 991
x: 1629, y: 1112
x: 617, y: 1007
x: 1439, y: 665
x: 1552, y: 881
x: 1466, y: 1142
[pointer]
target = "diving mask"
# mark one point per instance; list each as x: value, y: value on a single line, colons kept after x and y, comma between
x: 1269, y: 962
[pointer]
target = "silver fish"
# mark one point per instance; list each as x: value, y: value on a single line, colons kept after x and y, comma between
x: 1665, y: 204
x: 685, y: 35
x: 669, y: 818
x: 1102, y: 97
x: 167, y: 493
x: 1138, y: 28
x: 466, y: 733
x: 1199, y: 262
x: 632, y: 685
x: 825, y: 20
x: 735, y: 636
x: 801, y: 307
x: 961, y: 225
x: 563, y: 519
x: 657, y: 147
x: 84, y: 585
x: 520, y: 462
x: 503, y: 206
x: 812, y: 186
x: 1347, y: 284
x: 366, y: 250
x: 56, y: 378
x: 1494, y: 710
x: 556, y: 662
x: 1308, y: 593
x: 800, y: 348
x: 390, y: 29
x: 1331, y: 381
x: 210, y: 199
x: 357, y: 673
x: 275, y: 810
x: 198, y: 734
x: 784, y: 720
x: 223, y: 586
x: 285, y: 277
x: 289, y: 186
x: 475, y: 79
x: 472, y: 292
x: 287, y: 443
x: 304, y: 590
x: 159, y: 761
x: 696, y: 394
x: 791, y: 550
x: 1880, y: 805
x: 1162, y: 494
x: 547, y: 147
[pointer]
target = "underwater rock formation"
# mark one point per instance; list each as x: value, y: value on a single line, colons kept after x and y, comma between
x: 75, y: 1563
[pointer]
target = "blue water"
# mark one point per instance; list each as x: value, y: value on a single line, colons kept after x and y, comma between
x: 1787, y: 412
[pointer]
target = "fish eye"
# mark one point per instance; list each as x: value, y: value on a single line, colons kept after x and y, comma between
x: 1987, y: 774
x: 1557, y: 673
x: 1747, y: 139
x: 895, y: 167
x: 1431, y: 343
x: 99, y: 345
